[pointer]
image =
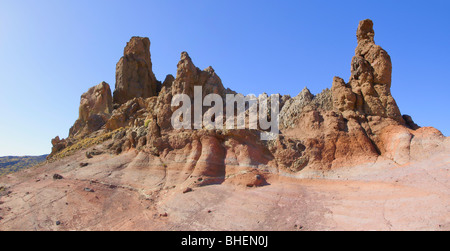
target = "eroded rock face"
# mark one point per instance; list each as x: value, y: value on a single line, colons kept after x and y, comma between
x: 134, y: 75
x: 410, y: 122
x: 95, y: 109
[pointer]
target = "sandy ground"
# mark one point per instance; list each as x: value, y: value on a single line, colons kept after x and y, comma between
x: 101, y: 196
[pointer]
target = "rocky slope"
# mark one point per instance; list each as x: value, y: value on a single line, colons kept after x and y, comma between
x: 338, y: 154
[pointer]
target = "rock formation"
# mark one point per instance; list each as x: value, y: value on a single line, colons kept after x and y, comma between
x: 349, y: 124
x: 57, y: 145
x: 368, y: 91
x: 126, y: 168
x: 95, y: 109
x: 188, y: 76
x: 371, y: 76
x: 134, y: 75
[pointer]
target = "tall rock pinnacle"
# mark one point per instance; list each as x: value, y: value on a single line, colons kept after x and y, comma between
x: 370, y: 81
x: 134, y: 75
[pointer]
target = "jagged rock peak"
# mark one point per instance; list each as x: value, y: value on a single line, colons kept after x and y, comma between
x: 188, y: 76
x: 186, y: 70
x: 168, y: 81
x: 306, y: 93
x: 293, y: 108
x: 365, y: 31
x: 339, y: 126
x: 134, y: 75
x: 137, y: 46
x: 185, y: 55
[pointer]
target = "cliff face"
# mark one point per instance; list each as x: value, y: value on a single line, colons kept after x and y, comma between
x: 350, y: 124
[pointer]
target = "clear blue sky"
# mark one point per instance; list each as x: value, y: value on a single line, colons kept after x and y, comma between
x: 52, y: 51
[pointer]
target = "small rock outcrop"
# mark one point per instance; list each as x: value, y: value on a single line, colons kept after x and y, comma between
x: 95, y: 110
x: 294, y: 106
x: 57, y: 145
